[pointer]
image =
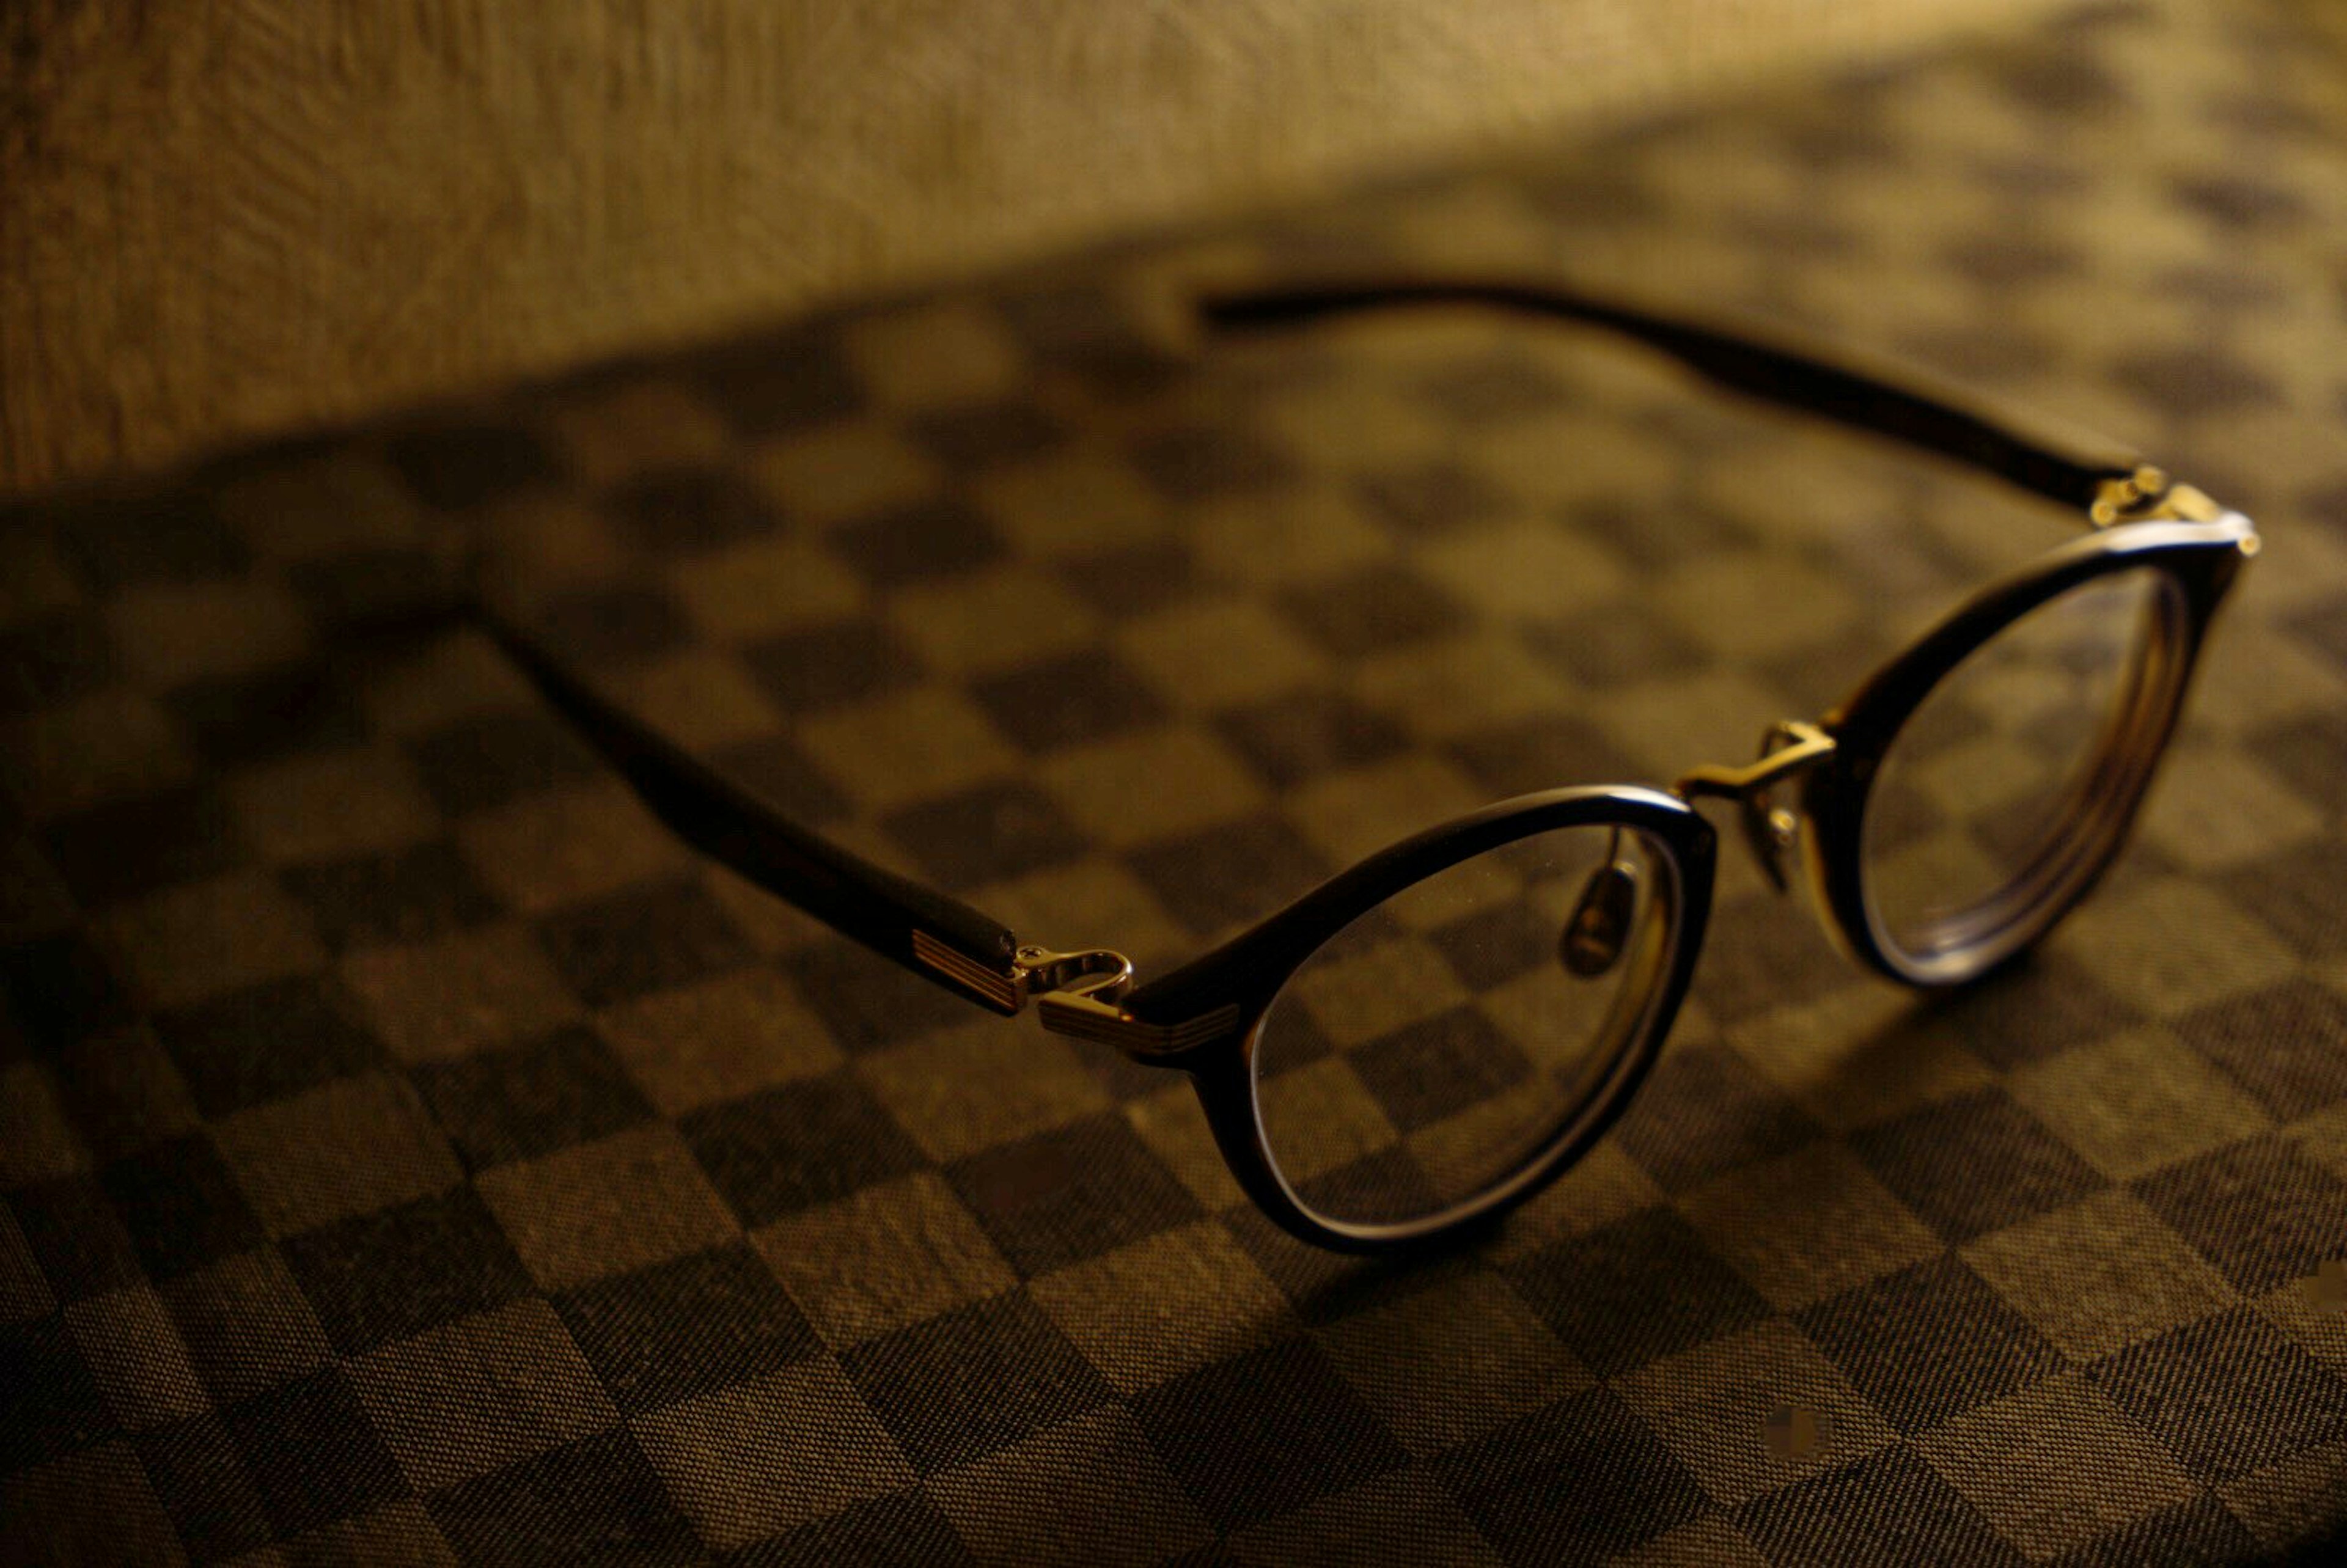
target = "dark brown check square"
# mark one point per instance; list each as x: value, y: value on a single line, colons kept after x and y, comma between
x: 683, y: 511
x: 1706, y: 1111
x: 1266, y: 1433
x: 261, y: 716
x: 905, y: 1530
x: 2296, y: 893
x: 1491, y: 946
x: 1438, y: 1066
x: 126, y: 848
x: 390, y: 1275
x: 1546, y: 753
x: 201, y: 1481
x: 689, y: 1327
x: 62, y: 988
x: 114, y: 542
x: 411, y: 894
x: 1634, y: 1291
x: 490, y: 759
x: 2201, y: 1531
x: 75, y: 1237
x: 1087, y: 696
x: 820, y: 667
x: 393, y: 586
x: 979, y: 435
x: 2035, y: 1009
x: 1930, y: 1342
x: 246, y: 1324
x: 1301, y: 736
x: 1219, y: 875
x: 1890, y: 1507
x: 990, y: 832
x: 1059, y: 1197
x: 1205, y: 462
x: 2228, y: 1395
x: 1431, y: 498
x: 313, y: 1453
x: 641, y: 939
x: 180, y: 1206
x: 1974, y: 1163
x: 865, y: 1001
x: 268, y: 1042
x: 51, y: 659
x: 766, y: 385
x: 596, y: 1500
x: 1137, y: 580
x: 624, y: 623
x: 970, y: 1381
x: 54, y: 1406
x: 779, y: 773
x: 518, y: 1103
x: 463, y: 468
x: 786, y: 1148
x: 2264, y: 1212
x: 1525, y: 1485
x: 927, y: 540
x: 2280, y: 1042
x: 1613, y: 644
x: 1372, y: 610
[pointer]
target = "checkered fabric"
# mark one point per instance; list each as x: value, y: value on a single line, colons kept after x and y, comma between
x: 409, y: 1152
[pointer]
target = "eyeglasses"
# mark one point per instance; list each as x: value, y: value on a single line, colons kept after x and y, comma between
x: 1431, y: 1037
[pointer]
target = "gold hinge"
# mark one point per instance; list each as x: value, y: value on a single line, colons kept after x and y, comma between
x: 1105, y: 1023
x: 997, y: 989
x: 1075, y: 994
x: 2146, y: 496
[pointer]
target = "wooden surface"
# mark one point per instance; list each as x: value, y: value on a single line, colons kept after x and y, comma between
x: 223, y: 220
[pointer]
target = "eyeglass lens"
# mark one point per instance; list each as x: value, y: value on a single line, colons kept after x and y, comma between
x: 1440, y: 1041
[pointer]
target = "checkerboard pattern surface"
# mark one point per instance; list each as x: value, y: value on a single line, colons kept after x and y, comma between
x: 409, y: 1152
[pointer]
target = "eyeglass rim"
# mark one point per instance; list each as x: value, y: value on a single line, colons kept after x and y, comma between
x: 1241, y: 976
x: 1244, y: 976
x: 2198, y: 562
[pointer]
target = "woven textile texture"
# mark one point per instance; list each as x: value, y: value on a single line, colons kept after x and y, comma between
x: 408, y: 1152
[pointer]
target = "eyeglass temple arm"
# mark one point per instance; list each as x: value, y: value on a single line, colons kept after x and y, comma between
x: 938, y: 938
x: 2074, y: 467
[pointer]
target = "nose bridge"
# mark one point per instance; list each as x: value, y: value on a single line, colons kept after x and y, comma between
x: 1791, y: 747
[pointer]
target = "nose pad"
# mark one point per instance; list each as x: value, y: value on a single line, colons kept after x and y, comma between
x: 1770, y: 832
x: 1600, y: 927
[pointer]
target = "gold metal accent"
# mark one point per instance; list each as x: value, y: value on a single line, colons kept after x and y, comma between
x: 1789, y: 748
x: 1087, y: 973
x: 996, y: 988
x: 1105, y: 1023
x: 2148, y: 496
x: 1078, y: 994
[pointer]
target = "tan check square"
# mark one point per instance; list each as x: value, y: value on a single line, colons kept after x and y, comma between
x: 883, y: 1258
x: 356, y: 1146
x: 626, y: 1202
x: 779, y: 1450
x: 2055, y: 1466
x: 2099, y: 1274
x: 1165, y: 1306
x: 460, y: 1402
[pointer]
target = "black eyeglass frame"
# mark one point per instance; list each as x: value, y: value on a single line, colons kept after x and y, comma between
x: 1204, y: 1019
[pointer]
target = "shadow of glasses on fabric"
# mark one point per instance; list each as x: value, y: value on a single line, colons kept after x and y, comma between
x: 1433, y: 1035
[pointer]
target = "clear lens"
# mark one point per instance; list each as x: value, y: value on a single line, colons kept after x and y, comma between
x: 1442, y: 1042
x: 1999, y: 792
